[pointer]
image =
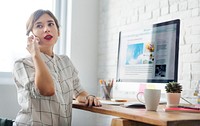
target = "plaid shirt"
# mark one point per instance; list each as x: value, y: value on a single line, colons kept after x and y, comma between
x: 39, y: 110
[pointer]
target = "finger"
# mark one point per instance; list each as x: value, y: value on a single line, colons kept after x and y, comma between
x: 100, y: 103
x: 86, y: 101
x: 37, y: 40
x: 91, y: 100
x: 29, y: 41
x: 30, y: 38
x: 28, y: 45
x: 97, y: 102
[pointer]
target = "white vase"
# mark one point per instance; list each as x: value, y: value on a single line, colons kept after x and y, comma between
x: 173, y: 99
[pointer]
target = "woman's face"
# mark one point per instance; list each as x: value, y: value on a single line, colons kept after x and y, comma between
x: 45, y: 29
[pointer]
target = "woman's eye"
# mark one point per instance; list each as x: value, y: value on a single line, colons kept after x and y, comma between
x: 38, y: 26
x: 51, y: 24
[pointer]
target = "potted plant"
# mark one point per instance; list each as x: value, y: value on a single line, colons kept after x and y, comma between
x: 173, y: 93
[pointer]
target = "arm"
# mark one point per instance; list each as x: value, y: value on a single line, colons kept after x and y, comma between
x: 43, y: 80
x: 89, y: 100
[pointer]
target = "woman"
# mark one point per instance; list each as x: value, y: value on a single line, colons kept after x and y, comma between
x: 46, y: 83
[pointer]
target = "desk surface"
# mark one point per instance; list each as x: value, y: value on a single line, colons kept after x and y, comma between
x: 160, y: 117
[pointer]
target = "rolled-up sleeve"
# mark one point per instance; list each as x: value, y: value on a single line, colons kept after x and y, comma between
x: 24, y: 75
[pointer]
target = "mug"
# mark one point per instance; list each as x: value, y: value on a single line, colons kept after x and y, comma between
x: 151, y: 98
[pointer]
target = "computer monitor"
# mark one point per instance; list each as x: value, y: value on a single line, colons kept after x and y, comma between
x: 149, y: 54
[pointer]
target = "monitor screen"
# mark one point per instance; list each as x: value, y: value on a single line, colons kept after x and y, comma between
x: 149, y: 54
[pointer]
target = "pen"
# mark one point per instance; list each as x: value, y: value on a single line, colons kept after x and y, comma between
x: 186, y: 100
x: 187, y: 107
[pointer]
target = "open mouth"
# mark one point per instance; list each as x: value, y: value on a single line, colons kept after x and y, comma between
x: 48, y: 37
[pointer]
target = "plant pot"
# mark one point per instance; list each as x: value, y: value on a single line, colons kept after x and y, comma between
x: 173, y: 99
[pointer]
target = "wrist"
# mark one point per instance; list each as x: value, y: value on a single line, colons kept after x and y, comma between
x: 36, y: 56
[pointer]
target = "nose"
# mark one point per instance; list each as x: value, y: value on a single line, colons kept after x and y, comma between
x: 46, y: 29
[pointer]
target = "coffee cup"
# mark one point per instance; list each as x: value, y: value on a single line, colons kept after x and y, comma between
x: 151, y: 98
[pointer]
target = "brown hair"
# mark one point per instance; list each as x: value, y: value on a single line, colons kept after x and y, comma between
x: 35, y: 16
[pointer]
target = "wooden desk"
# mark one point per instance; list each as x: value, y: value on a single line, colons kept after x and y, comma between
x: 144, y: 117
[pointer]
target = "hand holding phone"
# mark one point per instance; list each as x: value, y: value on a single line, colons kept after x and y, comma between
x: 33, y: 44
x: 34, y: 37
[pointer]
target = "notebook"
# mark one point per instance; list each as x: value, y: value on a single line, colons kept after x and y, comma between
x: 182, y: 109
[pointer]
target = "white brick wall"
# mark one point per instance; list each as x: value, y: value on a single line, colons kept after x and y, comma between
x: 119, y: 15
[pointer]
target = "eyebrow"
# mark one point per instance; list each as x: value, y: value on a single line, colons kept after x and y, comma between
x: 49, y: 21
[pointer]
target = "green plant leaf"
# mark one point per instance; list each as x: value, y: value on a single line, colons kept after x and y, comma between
x: 173, y: 87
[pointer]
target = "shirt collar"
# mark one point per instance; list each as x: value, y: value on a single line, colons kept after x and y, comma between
x: 47, y: 58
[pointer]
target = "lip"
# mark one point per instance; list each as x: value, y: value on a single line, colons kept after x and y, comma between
x: 48, y: 37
